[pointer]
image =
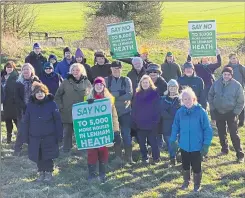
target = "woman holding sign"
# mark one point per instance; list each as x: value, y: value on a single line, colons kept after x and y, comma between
x: 101, y: 154
x: 71, y: 91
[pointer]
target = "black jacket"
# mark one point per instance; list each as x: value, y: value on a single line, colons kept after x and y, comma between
x: 37, y: 61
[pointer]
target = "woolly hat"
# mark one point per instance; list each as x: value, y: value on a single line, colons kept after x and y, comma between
x: 173, y: 83
x: 52, y: 56
x: 79, y: 53
x: 169, y: 54
x: 152, y: 67
x: 99, y: 54
x: 116, y: 64
x: 67, y: 49
x: 100, y: 80
x: 36, y: 45
x: 228, y: 69
x: 37, y: 87
x: 143, y: 50
x: 48, y: 65
x: 188, y: 65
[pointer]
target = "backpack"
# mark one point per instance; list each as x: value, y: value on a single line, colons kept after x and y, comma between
x: 123, y: 83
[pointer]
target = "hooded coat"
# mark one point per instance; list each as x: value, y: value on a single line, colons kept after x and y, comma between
x: 42, y: 128
x: 37, y: 61
x: 170, y: 70
x: 101, y: 70
x: 63, y: 67
x: 161, y: 85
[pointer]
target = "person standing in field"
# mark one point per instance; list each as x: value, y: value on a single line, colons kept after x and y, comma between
x: 146, y: 117
x: 9, y: 76
x: 170, y: 103
x: 63, y: 67
x: 196, y: 83
x: 80, y: 58
x: 21, y: 99
x: 51, y: 79
x: 121, y: 88
x: 72, y: 90
x: 36, y: 59
x: 170, y: 69
x: 239, y: 75
x: 101, y: 154
x: 102, y: 66
x: 192, y: 127
x: 53, y: 59
x: 42, y: 131
x: 226, y: 101
x: 205, y: 70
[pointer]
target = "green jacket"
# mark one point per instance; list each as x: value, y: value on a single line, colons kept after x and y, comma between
x: 171, y: 71
x: 70, y: 93
x: 226, y: 97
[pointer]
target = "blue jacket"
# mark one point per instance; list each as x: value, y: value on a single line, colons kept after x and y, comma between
x: 52, y: 81
x: 42, y: 128
x: 193, y: 128
x: 63, y: 67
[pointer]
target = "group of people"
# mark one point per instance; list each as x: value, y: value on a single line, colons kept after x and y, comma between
x: 155, y: 103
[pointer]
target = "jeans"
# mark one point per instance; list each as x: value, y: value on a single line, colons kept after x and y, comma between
x: 170, y: 151
x: 125, y: 126
x: 117, y: 138
x: 191, y: 159
x: 241, y: 117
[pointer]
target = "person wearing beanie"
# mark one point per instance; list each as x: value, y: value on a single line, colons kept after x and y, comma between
x: 191, y: 80
x: 169, y: 106
x: 121, y: 88
x: 36, y: 59
x: 80, y: 58
x: 51, y: 79
x: 239, y: 75
x: 53, y: 59
x: 63, y: 67
x: 101, y: 154
x: 226, y: 102
x: 101, y: 67
x: 170, y: 69
x: 42, y: 131
x: 154, y: 71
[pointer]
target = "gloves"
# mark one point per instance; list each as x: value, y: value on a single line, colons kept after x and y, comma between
x: 204, y: 150
x: 90, y: 101
x: 137, y: 54
x: 174, y: 146
x: 122, y: 92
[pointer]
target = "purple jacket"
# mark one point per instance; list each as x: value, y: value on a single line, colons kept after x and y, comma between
x: 145, y: 110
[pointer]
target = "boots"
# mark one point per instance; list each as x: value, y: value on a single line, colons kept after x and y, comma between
x: 92, y: 172
x: 102, y: 171
x: 128, y: 155
x: 9, y: 137
x: 41, y: 176
x: 118, y: 151
x: 48, y: 178
x: 186, y: 177
x: 197, y: 181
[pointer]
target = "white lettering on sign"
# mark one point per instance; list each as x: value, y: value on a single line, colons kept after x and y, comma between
x: 201, y: 26
x: 120, y: 28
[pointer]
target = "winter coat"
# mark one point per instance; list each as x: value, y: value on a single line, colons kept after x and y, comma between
x: 42, y: 128
x: 146, y: 111
x: 135, y: 77
x: 70, y: 93
x: 37, y: 61
x: 169, y: 107
x: 123, y: 102
x: 2, y: 94
x: 192, y: 127
x: 52, y: 81
x: 238, y: 73
x: 170, y: 71
x: 206, y: 72
x: 197, y: 84
x: 63, y: 67
x: 88, y: 70
x: 9, y: 105
x: 101, y: 70
x: 19, y: 96
x: 226, y: 98
x: 161, y: 85
x: 129, y: 61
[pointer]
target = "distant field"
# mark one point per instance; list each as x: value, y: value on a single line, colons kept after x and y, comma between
x: 71, y: 17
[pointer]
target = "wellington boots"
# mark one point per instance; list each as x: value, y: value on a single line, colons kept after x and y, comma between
x: 197, y: 181
x: 186, y: 177
x: 128, y: 155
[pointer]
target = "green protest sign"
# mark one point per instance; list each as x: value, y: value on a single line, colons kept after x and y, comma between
x: 202, y: 35
x: 92, y: 124
x: 122, y: 39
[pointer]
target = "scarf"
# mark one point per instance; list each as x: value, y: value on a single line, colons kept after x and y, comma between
x: 27, y: 90
x: 98, y: 95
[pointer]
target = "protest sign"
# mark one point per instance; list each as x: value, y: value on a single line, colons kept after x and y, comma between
x: 122, y: 39
x: 92, y: 124
x: 202, y: 35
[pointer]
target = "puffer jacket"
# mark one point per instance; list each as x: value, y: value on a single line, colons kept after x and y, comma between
x: 239, y: 73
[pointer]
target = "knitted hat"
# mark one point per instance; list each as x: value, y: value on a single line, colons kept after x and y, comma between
x: 152, y: 67
x: 52, y: 56
x: 37, y: 87
x: 188, y: 65
x: 36, y: 45
x: 79, y: 53
x: 169, y: 54
x: 100, y: 80
x: 48, y: 65
x: 116, y: 64
x: 143, y: 50
x: 99, y: 54
x: 228, y: 69
x: 67, y: 49
x: 173, y: 83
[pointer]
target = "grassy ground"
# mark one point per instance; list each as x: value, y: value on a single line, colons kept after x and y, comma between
x: 222, y: 177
